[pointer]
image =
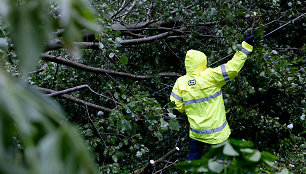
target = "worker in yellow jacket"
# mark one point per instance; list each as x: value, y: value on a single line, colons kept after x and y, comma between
x: 199, y: 95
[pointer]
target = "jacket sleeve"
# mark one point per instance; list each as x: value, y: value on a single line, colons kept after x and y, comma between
x: 227, y: 72
x: 176, y: 97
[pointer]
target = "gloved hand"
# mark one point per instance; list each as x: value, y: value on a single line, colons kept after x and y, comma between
x: 249, y: 39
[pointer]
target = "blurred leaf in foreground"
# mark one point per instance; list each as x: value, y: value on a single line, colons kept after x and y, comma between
x: 48, y: 144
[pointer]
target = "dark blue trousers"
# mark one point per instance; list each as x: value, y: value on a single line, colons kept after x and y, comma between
x: 196, y: 149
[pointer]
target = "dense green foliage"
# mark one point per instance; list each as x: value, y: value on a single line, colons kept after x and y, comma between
x: 231, y: 156
x: 265, y: 103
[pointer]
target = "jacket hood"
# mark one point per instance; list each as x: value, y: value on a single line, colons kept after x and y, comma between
x: 195, y: 62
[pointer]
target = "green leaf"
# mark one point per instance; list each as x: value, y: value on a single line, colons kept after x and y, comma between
x: 284, y: 171
x: 124, y: 60
x: 215, y: 166
x: 219, y: 145
x: 30, y: 28
x: 268, y: 156
x: 247, y: 150
x: 100, y: 113
x: 117, y: 33
x: 3, y: 44
x: 202, y: 169
x: 251, y: 154
x: 255, y: 157
x: 171, y: 115
x: 240, y: 143
x: 240, y: 36
x: 269, y: 165
x: 229, y: 150
x: 163, y: 124
x: 213, y: 11
x: 101, y: 46
x: 172, y: 104
x: 116, y: 95
x: 4, y: 8
x: 111, y: 55
x: 174, y: 125
x: 229, y: 18
x: 189, y: 165
x: 115, y: 159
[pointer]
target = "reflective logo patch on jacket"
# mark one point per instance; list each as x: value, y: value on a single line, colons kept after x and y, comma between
x: 192, y: 82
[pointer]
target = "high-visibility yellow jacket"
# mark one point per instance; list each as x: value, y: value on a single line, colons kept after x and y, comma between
x: 199, y: 94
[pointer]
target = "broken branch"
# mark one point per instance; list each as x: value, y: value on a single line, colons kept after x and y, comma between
x: 102, y: 71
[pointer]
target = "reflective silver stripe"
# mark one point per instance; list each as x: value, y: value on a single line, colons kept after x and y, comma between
x: 210, y: 130
x: 225, y: 76
x: 203, y: 99
x: 176, y: 96
x: 245, y: 51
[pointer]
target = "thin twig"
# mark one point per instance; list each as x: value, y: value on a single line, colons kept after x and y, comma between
x: 120, y: 9
x: 168, y: 46
x: 55, y: 75
x: 166, y: 166
x: 69, y: 90
x: 93, y: 124
x: 157, y: 92
x: 149, y: 11
x: 129, y: 10
x: 154, y: 163
x: 103, y: 96
x: 273, y: 66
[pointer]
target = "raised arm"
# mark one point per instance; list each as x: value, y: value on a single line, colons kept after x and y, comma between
x: 228, y: 71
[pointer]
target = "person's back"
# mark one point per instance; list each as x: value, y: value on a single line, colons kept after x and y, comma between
x: 199, y: 94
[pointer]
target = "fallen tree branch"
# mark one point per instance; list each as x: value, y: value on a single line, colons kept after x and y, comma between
x: 58, y: 45
x: 76, y: 100
x: 153, y: 163
x: 128, y: 30
x: 144, y: 40
x: 285, y: 48
x: 78, y: 88
x: 95, y: 45
x: 133, y: 34
x: 69, y: 90
x: 40, y: 70
x: 140, y: 25
x: 102, y: 71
